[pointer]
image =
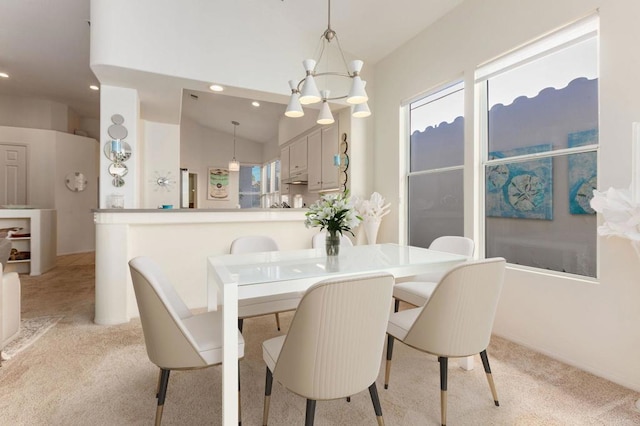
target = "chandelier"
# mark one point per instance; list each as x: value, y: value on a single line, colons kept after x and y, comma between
x: 306, y: 91
x: 234, y: 165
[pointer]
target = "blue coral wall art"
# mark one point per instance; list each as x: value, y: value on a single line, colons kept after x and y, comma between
x: 582, y: 172
x: 520, y: 189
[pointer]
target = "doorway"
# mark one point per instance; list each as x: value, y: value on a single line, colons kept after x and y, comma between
x: 13, y: 174
x: 193, y: 191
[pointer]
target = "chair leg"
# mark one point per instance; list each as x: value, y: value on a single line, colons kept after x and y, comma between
x: 311, y: 411
x: 239, y: 398
x: 267, y: 396
x: 444, y: 363
x: 278, y: 320
x: 487, y: 370
x: 373, y: 391
x: 162, y: 393
x: 387, y: 371
x: 240, y: 324
x: 158, y: 385
x: 396, y: 305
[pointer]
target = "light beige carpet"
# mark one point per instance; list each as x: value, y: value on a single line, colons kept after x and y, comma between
x: 80, y: 373
x: 31, y: 329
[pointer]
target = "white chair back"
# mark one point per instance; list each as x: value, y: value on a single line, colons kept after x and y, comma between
x: 457, y: 319
x: 319, y: 240
x: 453, y: 244
x: 169, y: 343
x: 450, y: 244
x: 253, y: 244
x: 335, y: 340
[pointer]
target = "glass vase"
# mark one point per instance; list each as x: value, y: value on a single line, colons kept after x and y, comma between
x: 333, y: 243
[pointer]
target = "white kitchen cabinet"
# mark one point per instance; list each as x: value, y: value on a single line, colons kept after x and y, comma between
x: 284, y: 163
x: 330, y: 148
x: 284, y: 170
x: 314, y: 161
x: 298, y: 157
x: 323, y: 145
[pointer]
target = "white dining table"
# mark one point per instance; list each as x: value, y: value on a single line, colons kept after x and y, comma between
x: 240, y: 276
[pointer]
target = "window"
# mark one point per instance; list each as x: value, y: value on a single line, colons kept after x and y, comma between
x: 271, y: 187
x: 250, y: 186
x: 540, y: 164
x: 436, y: 160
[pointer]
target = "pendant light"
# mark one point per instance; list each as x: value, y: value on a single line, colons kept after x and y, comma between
x: 234, y: 165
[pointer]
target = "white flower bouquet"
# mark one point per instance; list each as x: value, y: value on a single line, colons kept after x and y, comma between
x: 333, y: 212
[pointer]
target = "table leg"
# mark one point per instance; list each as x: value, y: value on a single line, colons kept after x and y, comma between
x: 466, y: 363
x: 230, y: 355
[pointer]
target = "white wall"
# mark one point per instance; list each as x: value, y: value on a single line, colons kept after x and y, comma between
x: 76, y: 231
x: 91, y: 126
x: 161, y: 158
x: 34, y: 113
x: 202, y: 148
x: 20, y: 111
x: 270, y: 151
x: 591, y: 325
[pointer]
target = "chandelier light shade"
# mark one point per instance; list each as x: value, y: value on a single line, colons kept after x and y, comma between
x: 309, y: 93
x: 325, y: 116
x: 360, y: 110
x: 294, y: 109
x: 234, y: 165
x: 307, y: 90
x: 357, y: 94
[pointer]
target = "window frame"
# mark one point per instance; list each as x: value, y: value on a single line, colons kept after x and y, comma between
x: 268, y: 198
x: 241, y: 193
x: 562, y: 38
x: 441, y: 91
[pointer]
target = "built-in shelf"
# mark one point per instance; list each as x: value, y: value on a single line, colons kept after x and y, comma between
x: 19, y: 261
x: 41, y: 225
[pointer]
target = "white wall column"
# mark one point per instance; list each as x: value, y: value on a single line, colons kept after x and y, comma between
x: 119, y: 100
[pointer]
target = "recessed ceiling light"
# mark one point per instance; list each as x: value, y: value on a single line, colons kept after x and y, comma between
x: 255, y: 104
x: 94, y: 87
x: 216, y: 88
x: 4, y: 75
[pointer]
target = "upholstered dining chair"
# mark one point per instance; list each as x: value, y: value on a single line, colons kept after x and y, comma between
x: 175, y: 338
x: 334, y: 344
x: 456, y: 321
x: 320, y: 239
x: 417, y: 291
x: 265, y: 305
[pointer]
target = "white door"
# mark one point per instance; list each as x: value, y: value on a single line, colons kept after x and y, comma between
x: 13, y: 174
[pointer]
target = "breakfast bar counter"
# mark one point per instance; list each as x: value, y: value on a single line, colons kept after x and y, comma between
x: 180, y: 240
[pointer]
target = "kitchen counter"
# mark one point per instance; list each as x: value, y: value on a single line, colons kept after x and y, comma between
x: 195, y: 210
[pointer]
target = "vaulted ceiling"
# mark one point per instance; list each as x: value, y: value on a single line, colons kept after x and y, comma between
x: 44, y: 47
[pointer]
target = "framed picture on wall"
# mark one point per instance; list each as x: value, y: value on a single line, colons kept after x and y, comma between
x: 520, y: 189
x: 218, y: 187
